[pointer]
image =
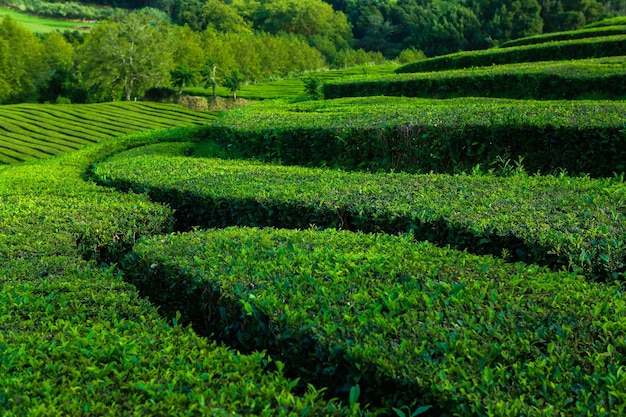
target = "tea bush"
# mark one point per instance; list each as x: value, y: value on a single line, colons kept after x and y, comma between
x: 407, y: 134
x: 597, y: 47
x: 563, y: 222
x: 412, y: 324
x: 568, y: 35
x: 578, y: 79
x: 76, y: 339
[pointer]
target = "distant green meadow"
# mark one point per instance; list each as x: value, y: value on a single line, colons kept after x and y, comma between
x: 44, y: 25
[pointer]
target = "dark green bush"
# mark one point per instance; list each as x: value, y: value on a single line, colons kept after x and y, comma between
x: 402, y: 134
x: 75, y: 339
x: 551, y: 51
x: 412, y: 324
x: 562, y: 222
x: 591, y: 78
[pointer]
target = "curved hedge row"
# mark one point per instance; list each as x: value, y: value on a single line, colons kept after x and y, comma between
x: 562, y: 222
x: 579, y: 79
x: 551, y: 51
x: 391, y: 133
x: 568, y: 35
x: 77, y: 340
x: 413, y: 324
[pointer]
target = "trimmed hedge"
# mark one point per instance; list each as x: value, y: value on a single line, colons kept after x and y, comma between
x: 412, y: 324
x: 406, y: 134
x: 598, y: 47
x: 563, y: 222
x: 76, y: 340
x: 612, y: 21
x: 568, y: 35
x: 590, y: 78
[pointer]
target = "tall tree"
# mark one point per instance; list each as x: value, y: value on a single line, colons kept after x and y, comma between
x: 509, y: 19
x: 5, y: 88
x: 22, y: 68
x: 127, y: 57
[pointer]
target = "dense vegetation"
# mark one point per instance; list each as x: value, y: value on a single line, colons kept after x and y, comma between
x: 30, y: 131
x: 576, y: 79
x: 480, y: 269
x: 232, y: 43
x: 386, y: 26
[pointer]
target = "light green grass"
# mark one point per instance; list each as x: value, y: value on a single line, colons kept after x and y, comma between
x: 31, y: 131
x: 44, y: 25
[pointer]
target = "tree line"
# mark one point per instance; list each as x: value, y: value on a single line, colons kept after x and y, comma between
x: 123, y: 59
x: 205, y: 42
x: 386, y: 26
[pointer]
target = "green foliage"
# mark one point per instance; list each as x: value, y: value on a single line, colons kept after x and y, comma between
x: 233, y: 81
x: 569, y: 35
x: 353, y: 58
x: 578, y: 79
x: 65, y: 10
x: 312, y: 87
x: 125, y: 59
x: 37, y: 131
x: 409, y: 55
x: 77, y: 340
x: 618, y: 20
x: 519, y: 215
x: 182, y: 76
x: 399, y: 323
x: 549, y: 51
x: 20, y: 56
x: 392, y: 133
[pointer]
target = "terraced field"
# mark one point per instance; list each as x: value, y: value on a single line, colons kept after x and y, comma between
x: 368, y: 256
x: 30, y: 131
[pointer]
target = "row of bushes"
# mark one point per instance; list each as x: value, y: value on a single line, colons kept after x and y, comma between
x: 391, y: 133
x: 579, y: 79
x: 414, y: 325
x: 550, y: 51
x: 33, y: 131
x: 76, y: 339
x: 562, y: 222
x: 568, y: 35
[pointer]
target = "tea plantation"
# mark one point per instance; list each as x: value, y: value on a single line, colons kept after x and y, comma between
x: 366, y: 255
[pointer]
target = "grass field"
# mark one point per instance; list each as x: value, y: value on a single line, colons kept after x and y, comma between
x: 44, y: 25
x: 29, y: 131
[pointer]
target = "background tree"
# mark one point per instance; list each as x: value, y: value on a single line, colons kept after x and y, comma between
x: 315, y: 20
x: 509, y: 19
x: 187, y: 49
x: 127, y: 57
x: 5, y: 88
x: 233, y: 81
x: 61, y: 79
x: 22, y: 68
x: 182, y: 76
x: 209, y: 76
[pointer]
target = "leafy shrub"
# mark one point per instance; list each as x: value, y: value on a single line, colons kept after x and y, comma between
x: 557, y: 221
x: 553, y: 80
x: 412, y: 324
x: 385, y: 133
x: 550, y: 51
x: 410, y: 55
x: 568, y: 35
